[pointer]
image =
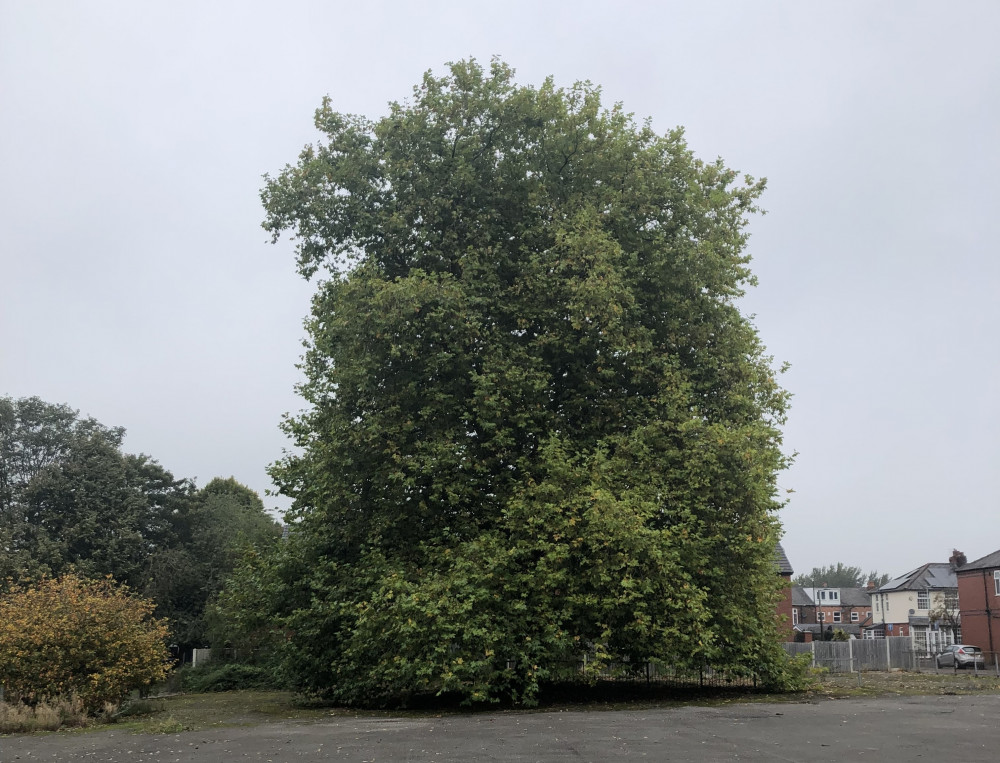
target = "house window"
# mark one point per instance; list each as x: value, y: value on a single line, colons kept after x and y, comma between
x: 795, y: 616
x: 834, y: 595
x: 923, y: 600
x: 836, y: 617
x: 996, y: 581
x: 951, y: 600
x: 854, y: 617
x: 822, y: 617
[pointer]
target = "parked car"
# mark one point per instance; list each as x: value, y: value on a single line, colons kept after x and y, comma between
x: 961, y: 656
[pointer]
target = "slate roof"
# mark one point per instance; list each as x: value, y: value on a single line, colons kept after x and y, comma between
x: 781, y: 561
x: 988, y: 562
x: 800, y: 598
x: 935, y: 575
x: 855, y: 597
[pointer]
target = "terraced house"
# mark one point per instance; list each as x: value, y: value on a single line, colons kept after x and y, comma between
x: 820, y: 608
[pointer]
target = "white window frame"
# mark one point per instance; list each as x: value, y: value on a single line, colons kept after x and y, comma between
x: 837, y: 617
x: 855, y: 617
x: 996, y: 581
x: 925, y: 597
x: 795, y: 615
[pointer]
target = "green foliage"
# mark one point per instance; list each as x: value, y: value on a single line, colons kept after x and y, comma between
x: 538, y: 428
x: 792, y: 673
x: 229, y: 676
x: 840, y: 576
x: 73, y: 637
x: 212, y: 530
x: 71, y: 500
x: 39, y: 443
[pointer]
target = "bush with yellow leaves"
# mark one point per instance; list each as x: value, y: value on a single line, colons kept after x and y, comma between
x: 72, y: 637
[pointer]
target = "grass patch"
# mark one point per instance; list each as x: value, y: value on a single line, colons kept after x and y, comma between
x: 45, y: 716
x: 190, y: 712
x: 901, y: 683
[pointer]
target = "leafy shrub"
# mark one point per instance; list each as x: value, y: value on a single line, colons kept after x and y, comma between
x: 229, y: 677
x: 89, y: 639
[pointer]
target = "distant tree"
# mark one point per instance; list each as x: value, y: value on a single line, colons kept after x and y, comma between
x: 946, y: 615
x: 70, y: 636
x: 538, y: 427
x: 840, y: 576
x: 99, y: 512
x: 35, y: 436
x: 213, y: 531
x: 72, y: 500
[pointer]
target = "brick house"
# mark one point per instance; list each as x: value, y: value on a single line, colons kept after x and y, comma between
x: 785, y: 605
x: 979, y: 601
x: 820, y: 608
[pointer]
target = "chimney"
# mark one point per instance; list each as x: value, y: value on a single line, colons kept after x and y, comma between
x: 870, y: 586
x: 957, y: 559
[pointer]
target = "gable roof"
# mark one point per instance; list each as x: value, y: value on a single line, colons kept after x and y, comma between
x: 988, y: 562
x: 937, y: 575
x: 781, y: 561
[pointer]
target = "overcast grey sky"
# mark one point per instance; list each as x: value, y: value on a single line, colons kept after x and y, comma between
x: 137, y: 285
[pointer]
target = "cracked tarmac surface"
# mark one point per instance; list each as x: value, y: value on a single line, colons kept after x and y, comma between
x: 952, y: 728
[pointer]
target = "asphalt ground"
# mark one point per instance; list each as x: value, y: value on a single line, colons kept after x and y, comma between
x: 940, y: 728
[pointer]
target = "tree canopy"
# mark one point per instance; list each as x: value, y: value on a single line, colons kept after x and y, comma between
x: 840, y: 575
x: 538, y: 427
x: 72, y: 500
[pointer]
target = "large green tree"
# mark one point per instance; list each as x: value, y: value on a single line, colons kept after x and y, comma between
x: 538, y: 425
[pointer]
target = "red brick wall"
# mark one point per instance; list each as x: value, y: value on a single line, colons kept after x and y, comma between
x: 785, y: 609
x: 980, y: 609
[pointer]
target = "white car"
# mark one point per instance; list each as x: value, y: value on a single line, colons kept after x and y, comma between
x: 961, y: 656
